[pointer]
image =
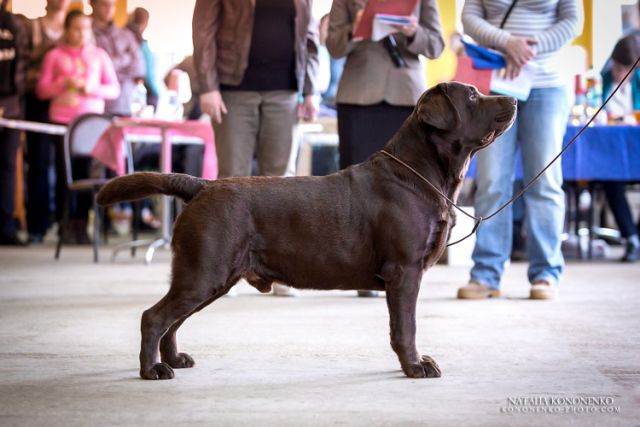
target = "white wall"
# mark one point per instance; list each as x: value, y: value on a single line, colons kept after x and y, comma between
x: 169, y: 28
x: 607, y: 28
x: 29, y: 8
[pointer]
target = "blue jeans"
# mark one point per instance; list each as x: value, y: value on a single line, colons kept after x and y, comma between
x: 538, y: 130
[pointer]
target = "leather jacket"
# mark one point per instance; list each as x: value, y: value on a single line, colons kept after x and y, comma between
x: 222, y: 39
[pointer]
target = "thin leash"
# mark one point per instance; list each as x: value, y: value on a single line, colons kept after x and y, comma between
x: 479, y: 219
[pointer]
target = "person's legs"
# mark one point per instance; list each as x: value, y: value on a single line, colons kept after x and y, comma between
x: 236, y: 135
x: 39, y: 149
x: 278, y: 116
x: 543, y: 120
x: 9, y: 142
x: 278, y: 111
x: 617, y: 199
x: 346, y: 122
x: 495, y: 174
x: 363, y: 130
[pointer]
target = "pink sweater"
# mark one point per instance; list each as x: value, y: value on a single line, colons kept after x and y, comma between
x: 89, y: 63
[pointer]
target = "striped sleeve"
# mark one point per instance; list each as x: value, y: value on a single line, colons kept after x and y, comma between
x: 475, y: 24
x: 566, y: 28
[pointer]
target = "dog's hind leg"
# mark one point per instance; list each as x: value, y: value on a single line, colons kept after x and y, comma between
x: 176, y: 305
x: 402, y: 287
x: 169, y: 346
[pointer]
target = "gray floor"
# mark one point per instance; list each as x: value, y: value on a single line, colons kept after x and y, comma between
x: 69, y: 343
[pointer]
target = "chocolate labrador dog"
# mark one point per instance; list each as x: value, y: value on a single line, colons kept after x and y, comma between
x: 375, y: 225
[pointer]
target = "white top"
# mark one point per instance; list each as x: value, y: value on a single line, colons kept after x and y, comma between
x: 552, y: 23
x: 621, y: 104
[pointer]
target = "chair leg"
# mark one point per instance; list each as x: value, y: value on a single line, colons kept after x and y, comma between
x: 62, y: 225
x: 592, y: 213
x: 576, y: 224
x: 96, y: 228
x: 135, y: 224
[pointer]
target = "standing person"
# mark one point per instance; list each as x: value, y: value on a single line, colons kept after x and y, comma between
x: 44, y: 34
x: 374, y: 95
x: 13, y: 45
x: 623, y: 103
x: 137, y: 24
x: 124, y: 51
x: 250, y: 76
x: 77, y: 77
x: 534, y: 32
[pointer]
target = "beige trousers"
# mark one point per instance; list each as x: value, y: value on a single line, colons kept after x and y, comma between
x: 259, y: 123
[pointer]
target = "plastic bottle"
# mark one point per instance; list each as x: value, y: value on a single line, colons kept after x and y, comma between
x: 176, y: 110
x: 579, y: 106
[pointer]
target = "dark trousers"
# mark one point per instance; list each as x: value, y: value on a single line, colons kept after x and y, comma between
x: 9, y: 143
x: 40, y: 149
x: 615, y: 192
x: 365, y: 129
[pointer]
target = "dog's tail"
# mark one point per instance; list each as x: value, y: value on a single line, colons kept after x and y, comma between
x: 144, y: 184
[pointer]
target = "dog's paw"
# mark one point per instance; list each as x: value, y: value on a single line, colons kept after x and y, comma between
x: 427, y: 368
x: 179, y: 361
x: 159, y: 371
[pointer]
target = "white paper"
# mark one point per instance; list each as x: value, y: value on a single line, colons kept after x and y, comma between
x: 384, y: 24
x: 520, y: 87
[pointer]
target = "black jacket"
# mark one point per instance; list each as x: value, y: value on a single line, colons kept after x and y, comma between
x: 11, y: 105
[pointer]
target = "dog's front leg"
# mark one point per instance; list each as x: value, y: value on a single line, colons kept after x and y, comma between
x: 402, y: 287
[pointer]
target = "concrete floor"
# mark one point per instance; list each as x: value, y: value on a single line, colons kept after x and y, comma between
x: 69, y: 348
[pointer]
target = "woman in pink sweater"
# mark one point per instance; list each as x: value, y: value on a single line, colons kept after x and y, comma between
x: 77, y: 76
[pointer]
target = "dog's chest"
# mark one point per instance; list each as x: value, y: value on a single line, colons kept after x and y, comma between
x: 437, y: 239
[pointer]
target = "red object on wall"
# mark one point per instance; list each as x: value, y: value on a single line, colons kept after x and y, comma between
x: 465, y: 73
x: 390, y: 7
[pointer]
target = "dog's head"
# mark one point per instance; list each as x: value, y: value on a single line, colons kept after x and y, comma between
x: 465, y: 115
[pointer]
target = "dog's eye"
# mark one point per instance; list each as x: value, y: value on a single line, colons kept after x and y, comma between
x: 473, y: 97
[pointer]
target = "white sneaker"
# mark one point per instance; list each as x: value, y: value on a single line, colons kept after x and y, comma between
x: 281, y: 290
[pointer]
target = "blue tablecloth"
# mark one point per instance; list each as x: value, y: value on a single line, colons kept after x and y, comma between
x: 601, y: 153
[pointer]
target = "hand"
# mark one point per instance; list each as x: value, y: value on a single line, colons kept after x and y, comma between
x: 512, y: 70
x: 410, y: 29
x: 211, y: 103
x: 519, y: 49
x: 308, y: 110
x: 75, y: 83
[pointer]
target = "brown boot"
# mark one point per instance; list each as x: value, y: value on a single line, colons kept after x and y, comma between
x: 542, y: 289
x: 475, y: 290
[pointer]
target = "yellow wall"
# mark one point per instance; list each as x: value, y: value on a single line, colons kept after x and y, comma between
x: 586, y: 38
x: 444, y: 67
x: 121, y: 12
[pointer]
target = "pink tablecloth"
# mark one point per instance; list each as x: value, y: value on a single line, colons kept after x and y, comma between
x: 109, y: 149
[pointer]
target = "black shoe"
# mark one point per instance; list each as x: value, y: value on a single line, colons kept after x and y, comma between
x: 11, y: 240
x: 632, y: 253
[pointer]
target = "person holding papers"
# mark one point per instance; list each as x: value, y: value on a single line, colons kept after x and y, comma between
x: 621, y: 106
x: 532, y: 36
x: 381, y: 80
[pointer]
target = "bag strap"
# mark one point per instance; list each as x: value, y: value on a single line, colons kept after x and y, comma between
x: 506, y: 16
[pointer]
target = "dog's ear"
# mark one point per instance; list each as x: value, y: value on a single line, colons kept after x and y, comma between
x: 436, y: 109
